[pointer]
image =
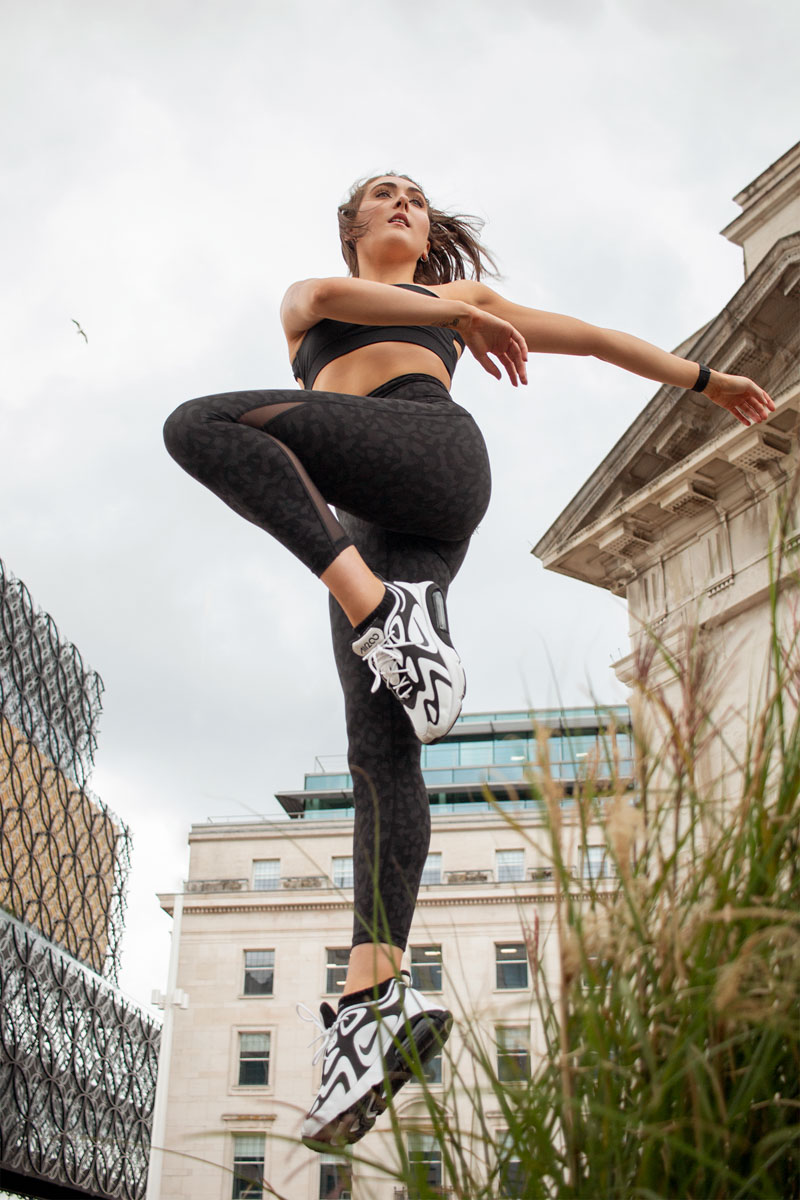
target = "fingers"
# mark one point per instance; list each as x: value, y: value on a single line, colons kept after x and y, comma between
x: 510, y: 367
x: 757, y: 406
x: 749, y: 403
x: 519, y: 351
x: 489, y: 366
x: 754, y: 407
x: 514, y: 358
x: 751, y: 410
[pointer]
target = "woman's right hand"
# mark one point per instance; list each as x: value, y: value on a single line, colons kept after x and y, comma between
x: 487, y: 335
x: 745, y: 400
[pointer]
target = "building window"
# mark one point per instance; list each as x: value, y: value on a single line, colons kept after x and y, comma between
x: 254, y: 1059
x: 335, y: 1179
x: 510, y: 865
x: 343, y: 872
x: 337, y: 970
x: 476, y: 754
x: 512, y: 750
x: 425, y: 1159
x: 513, y: 1181
x: 426, y: 968
x: 432, y: 871
x: 512, y: 964
x: 443, y: 754
x: 248, y: 1166
x: 513, y: 1053
x: 266, y: 874
x: 595, y: 863
x: 596, y: 976
x: 259, y: 972
x: 431, y: 1071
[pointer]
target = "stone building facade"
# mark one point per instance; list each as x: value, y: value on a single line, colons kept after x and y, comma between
x: 266, y: 922
x: 691, y: 515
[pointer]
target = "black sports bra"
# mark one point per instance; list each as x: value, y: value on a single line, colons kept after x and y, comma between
x: 328, y: 340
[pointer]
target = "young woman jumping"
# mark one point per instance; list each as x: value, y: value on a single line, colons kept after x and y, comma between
x: 375, y: 433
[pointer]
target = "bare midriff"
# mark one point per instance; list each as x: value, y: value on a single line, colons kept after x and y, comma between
x: 363, y: 370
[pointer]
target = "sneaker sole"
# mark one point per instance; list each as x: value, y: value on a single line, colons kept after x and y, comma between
x: 454, y: 667
x: 424, y: 1036
x: 455, y: 712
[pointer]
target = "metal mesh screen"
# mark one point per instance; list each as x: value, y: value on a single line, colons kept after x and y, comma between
x: 64, y: 857
x: 78, y: 1068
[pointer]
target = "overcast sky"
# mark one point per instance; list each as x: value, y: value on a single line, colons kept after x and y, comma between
x: 170, y: 166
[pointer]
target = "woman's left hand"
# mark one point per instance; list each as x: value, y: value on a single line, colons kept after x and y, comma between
x: 749, y: 403
x: 485, y: 334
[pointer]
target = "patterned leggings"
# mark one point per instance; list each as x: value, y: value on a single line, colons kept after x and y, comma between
x: 408, y: 472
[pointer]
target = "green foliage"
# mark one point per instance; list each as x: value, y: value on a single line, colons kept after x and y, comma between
x: 671, y: 1066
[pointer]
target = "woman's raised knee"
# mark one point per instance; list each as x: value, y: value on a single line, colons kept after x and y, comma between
x: 182, y: 426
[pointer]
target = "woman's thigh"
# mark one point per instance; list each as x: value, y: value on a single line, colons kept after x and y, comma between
x: 409, y: 466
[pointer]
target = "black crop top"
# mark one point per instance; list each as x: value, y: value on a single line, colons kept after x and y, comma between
x: 328, y: 340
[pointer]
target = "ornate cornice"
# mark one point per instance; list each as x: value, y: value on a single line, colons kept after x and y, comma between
x: 676, y: 423
x: 309, y: 905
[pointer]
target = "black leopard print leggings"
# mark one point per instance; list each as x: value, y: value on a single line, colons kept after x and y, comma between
x: 408, y: 472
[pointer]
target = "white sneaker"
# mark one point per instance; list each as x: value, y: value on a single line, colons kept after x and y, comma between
x: 413, y: 655
x: 370, y: 1049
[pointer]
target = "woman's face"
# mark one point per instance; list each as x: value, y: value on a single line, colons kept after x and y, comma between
x: 396, y: 213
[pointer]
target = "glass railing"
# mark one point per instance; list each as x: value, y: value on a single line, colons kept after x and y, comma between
x: 330, y: 814
x: 619, y: 712
x: 436, y: 777
x: 329, y: 782
x: 456, y: 808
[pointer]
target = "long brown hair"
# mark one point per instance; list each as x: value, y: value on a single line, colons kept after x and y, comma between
x: 454, y: 244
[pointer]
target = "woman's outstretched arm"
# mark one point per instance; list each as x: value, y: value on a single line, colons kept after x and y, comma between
x: 365, y: 302
x: 552, y: 333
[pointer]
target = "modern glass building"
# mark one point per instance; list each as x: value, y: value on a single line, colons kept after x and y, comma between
x: 78, y: 1060
x: 494, y: 758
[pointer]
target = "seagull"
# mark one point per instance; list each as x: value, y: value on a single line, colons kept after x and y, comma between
x: 80, y: 331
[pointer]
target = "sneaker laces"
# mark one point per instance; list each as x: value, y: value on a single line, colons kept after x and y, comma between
x: 326, y: 1035
x: 384, y: 662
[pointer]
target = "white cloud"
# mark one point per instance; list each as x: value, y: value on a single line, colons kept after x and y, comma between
x: 171, y: 167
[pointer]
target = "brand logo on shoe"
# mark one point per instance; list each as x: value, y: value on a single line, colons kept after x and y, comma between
x: 370, y: 639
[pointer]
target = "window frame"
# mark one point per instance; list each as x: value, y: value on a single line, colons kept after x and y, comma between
x: 238, y: 1032
x: 347, y: 882
x: 414, y: 1081
x: 498, y: 963
x: 244, y: 994
x: 239, y: 1183
x: 437, y: 854
x: 342, y: 966
x: 274, y: 886
x: 335, y: 1160
x: 516, y: 1076
x: 607, y: 869
x: 518, y: 1187
x: 434, y: 1150
x: 516, y: 878
x: 416, y: 982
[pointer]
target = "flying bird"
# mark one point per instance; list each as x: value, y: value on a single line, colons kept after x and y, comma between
x: 80, y: 331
